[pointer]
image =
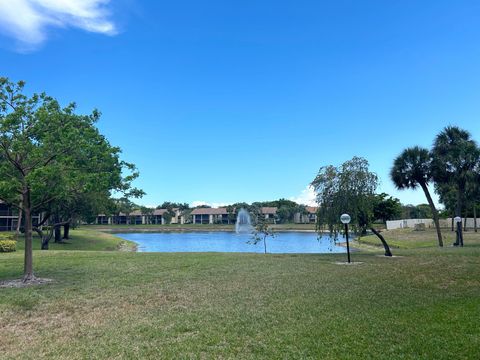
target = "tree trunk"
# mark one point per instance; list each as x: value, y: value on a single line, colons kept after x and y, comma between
x: 434, y: 213
x: 453, y: 223
x: 384, y: 243
x: 465, y: 222
x: 19, y: 222
x: 475, y: 217
x: 45, y: 239
x: 28, y: 261
x: 66, y: 231
x: 58, y: 234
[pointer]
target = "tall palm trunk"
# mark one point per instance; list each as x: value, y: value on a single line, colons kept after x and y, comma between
x: 434, y: 213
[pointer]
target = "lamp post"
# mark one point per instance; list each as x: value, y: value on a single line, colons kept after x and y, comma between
x: 458, y: 222
x: 345, y: 219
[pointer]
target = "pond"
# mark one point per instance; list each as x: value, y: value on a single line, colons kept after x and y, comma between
x: 282, y: 243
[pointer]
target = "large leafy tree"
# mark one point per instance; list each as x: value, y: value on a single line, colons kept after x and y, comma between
x: 455, y: 156
x: 412, y: 169
x: 49, y: 155
x: 386, y: 207
x: 349, y: 188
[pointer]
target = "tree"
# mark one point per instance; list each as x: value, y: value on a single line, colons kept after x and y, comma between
x: 148, y: 212
x: 48, y: 154
x: 284, y: 214
x: 168, y: 216
x: 412, y: 169
x: 349, y: 189
x: 174, y: 205
x: 386, y: 207
x: 447, y: 196
x: 455, y: 156
x: 286, y: 209
x: 125, y: 206
x: 261, y: 232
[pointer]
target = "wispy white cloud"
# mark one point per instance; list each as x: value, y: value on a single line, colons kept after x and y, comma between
x: 306, y: 197
x: 29, y: 21
x: 213, y: 204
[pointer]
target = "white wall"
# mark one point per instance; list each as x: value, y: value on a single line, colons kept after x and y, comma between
x: 410, y: 223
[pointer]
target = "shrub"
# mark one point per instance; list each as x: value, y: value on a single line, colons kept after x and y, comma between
x: 8, y: 245
x: 419, y: 227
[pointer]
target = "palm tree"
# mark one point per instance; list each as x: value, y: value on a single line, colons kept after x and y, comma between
x: 410, y: 170
x: 455, y: 156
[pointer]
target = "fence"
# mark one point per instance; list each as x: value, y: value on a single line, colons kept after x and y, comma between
x: 410, y: 223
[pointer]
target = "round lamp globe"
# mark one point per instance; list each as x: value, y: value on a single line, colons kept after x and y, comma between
x: 345, y: 219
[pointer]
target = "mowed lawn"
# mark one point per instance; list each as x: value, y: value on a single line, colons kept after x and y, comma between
x: 123, y: 305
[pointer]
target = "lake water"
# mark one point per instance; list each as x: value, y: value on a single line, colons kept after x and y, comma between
x: 282, y: 243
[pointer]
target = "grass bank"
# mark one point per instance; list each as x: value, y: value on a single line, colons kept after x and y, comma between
x: 411, y: 239
x: 84, y: 239
x: 122, y: 305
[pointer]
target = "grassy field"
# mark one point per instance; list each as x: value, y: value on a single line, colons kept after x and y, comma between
x: 411, y: 239
x: 123, y: 305
x: 83, y: 239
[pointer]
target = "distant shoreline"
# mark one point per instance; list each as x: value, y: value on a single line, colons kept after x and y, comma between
x: 180, y: 230
x: 307, y: 228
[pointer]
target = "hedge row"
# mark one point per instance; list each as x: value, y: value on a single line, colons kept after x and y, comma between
x: 8, y: 245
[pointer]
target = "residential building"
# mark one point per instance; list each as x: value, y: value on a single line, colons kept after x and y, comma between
x: 212, y: 216
x: 309, y: 217
x: 136, y: 217
x: 269, y: 213
x: 9, y: 218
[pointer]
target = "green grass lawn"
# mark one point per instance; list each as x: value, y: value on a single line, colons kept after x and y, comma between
x: 410, y: 239
x: 124, y: 305
x: 83, y: 239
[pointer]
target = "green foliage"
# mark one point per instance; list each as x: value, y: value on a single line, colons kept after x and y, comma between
x: 455, y: 156
x: 286, y: 209
x: 386, y: 207
x: 8, y: 245
x: 412, y: 168
x: 285, y: 213
x: 261, y: 232
x: 168, y: 216
x: 455, y: 168
x: 55, y: 161
x: 349, y: 188
x: 421, y: 211
x: 174, y: 205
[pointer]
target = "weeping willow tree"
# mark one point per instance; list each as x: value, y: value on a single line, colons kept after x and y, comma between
x: 349, y: 188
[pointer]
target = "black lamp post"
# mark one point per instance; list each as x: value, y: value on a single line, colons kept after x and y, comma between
x: 345, y: 219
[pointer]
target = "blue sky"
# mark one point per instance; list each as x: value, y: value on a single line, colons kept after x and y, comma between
x: 225, y: 101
